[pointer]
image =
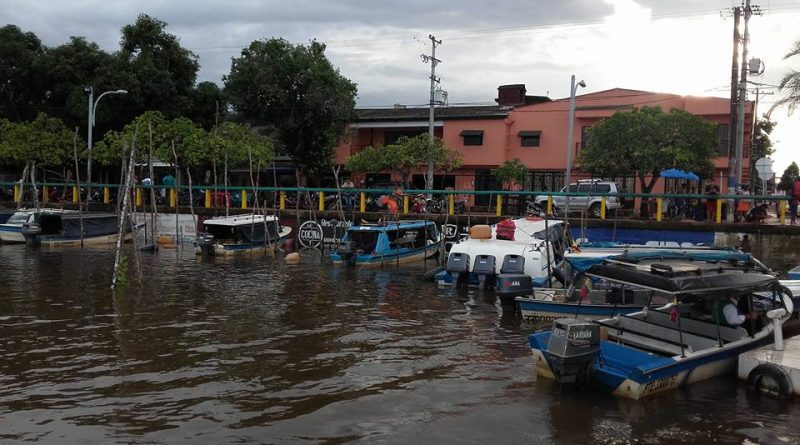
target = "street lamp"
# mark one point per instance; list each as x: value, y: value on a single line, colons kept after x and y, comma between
x: 572, y: 89
x: 90, y: 125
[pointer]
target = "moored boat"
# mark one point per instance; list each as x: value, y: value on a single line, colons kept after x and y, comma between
x: 64, y: 229
x: 656, y: 349
x: 373, y: 244
x: 11, y: 229
x: 527, y: 255
x: 239, y: 234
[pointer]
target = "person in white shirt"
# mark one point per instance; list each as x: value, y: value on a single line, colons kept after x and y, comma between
x: 731, y: 316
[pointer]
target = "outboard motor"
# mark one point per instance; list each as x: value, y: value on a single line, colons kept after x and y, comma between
x: 347, y: 250
x: 484, y: 269
x: 32, y: 231
x: 458, y: 266
x: 574, y: 347
x: 512, y: 281
x: 205, y: 241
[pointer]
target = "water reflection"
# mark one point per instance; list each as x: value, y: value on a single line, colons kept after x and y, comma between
x: 255, y: 350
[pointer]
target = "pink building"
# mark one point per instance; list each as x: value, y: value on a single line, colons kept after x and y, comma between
x: 531, y: 128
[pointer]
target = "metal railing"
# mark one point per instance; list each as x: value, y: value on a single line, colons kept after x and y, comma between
x: 243, y: 197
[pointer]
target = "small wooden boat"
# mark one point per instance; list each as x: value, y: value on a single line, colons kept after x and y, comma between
x: 239, y: 234
x: 388, y: 243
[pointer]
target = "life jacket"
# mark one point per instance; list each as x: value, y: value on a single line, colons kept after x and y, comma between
x: 505, y: 229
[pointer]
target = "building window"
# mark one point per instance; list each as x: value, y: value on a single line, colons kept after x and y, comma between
x: 530, y: 138
x: 391, y: 136
x: 723, y: 139
x: 472, y: 137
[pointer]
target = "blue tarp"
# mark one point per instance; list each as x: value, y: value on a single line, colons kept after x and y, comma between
x: 675, y: 173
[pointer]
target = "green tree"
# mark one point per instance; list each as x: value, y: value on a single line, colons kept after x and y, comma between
x: 645, y: 141
x: 761, y: 147
x: 511, y: 172
x: 790, y: 83
x: 44, y: 141
x: 791, y: 173
x: 296, y: 89
x: 207, y: 105
x: 405, y: 156
x: 21, y: 89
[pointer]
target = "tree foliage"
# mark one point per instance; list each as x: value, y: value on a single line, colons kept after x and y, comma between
x: 511, y: 172
x: 296, y: 89
x: 21, y: 84
x: 44, y: 141
x: 405, y: 156
x: 791, y: 173
x: 790, y: 83
x: 646, y: 141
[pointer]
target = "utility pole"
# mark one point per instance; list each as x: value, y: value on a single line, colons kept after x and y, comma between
x: 433, y: 61
x: 737, y: 11
x: 748, y: 11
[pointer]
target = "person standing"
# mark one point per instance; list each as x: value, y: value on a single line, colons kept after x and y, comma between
x: 349, y: 196
x: 793, y: 201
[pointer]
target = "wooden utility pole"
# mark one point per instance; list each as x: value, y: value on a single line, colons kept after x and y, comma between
x: 737, y: 12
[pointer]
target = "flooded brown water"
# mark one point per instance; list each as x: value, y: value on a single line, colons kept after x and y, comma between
x: 256, y: 351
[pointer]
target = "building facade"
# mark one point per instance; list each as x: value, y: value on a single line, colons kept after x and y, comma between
x: 532, y: 129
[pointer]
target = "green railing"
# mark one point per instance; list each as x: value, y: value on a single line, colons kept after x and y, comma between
x: 216, y: 196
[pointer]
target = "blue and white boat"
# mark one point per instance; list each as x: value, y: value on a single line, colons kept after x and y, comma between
x: 794, y: 274
x: 239, y: 234
x: 71, y: 229
x: 657, y: 349
x: 390, y: 243
x: 11, y: 229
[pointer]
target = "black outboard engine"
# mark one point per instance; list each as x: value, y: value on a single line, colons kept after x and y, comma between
x: 32, y: 231
x: 347, y: 250
x: 458, y: 266
x: 205, y: 242
x: 484, y: 269
x: 512, y: 281
x: 574, y: 346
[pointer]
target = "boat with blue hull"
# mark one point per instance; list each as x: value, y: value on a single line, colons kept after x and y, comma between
x: 373, y: 244
x: 657, y: 349
x: 11, y: 228
x: 239, y: 234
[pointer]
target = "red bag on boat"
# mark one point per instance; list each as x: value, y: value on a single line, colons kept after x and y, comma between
x: 505, y: 229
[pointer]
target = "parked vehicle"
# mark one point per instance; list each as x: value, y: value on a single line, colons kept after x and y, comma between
x: 592, y: 191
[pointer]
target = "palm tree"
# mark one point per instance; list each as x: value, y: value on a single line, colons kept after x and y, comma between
x: 790, y: 84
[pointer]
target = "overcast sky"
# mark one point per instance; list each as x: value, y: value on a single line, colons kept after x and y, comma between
x: 681, y: 47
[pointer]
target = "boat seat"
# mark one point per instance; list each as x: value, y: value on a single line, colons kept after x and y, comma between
x: 642, y: 340
x: 703, y: 328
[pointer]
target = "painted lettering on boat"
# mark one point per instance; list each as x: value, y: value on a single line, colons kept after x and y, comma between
x: 662, y: 383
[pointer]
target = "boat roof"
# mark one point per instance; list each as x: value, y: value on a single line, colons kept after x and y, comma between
x: 238, y: 220
x: 678, y: 277
x: 391, y: 225
x: 584, y: 259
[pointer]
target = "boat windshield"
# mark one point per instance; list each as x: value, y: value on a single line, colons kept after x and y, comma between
x: 365, y: 241
x: 18, y: 218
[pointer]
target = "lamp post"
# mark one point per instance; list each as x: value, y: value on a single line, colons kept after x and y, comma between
x: 90, y: 124
x: 572, y: 89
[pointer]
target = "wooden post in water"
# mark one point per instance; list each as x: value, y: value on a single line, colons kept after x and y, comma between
x: 77, y: 180
x: 126, y: 196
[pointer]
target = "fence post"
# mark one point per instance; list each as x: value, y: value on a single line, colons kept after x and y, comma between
x: 16, y: 193
x: 321, y: 201
x: 603, y: 207
x: 719, y: 211
x: 106, y: 195
x: 283, y: 200
x: 405, y: 203
x: 45, y: 195
x: 208, y: 199
x: 75, y: 194
x: 783, y: 211
x: 363, y: 205
x: 499, y: 210
x: 244, y: 198
x: 138, y: 197
x: 173, y: 198
x: 549, y: 205
x: 452, y: 204
x: 659, y: 204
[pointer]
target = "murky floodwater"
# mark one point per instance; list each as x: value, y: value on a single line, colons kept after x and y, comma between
x: 258, y: 351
